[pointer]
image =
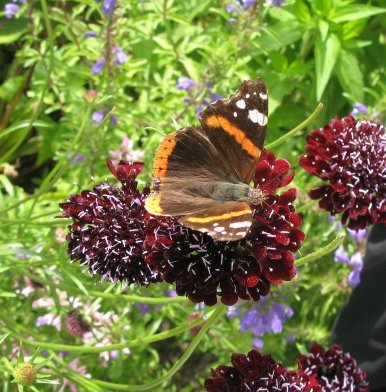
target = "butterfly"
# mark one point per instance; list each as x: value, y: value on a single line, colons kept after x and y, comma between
x: 204, y: 173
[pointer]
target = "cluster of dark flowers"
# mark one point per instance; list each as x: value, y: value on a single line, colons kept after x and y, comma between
x: 115, y: 237
x: 320, y: 371
x: 350, y: 155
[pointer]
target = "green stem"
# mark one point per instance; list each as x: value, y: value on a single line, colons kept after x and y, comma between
x: 177, y: 366
x: 306, y: 206
x: 87, y: 349
x: 294, y: 131
x: 323, y: 251
x: 105, y: 295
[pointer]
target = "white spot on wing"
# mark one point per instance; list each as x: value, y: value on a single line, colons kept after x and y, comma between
x: 219, y: 228
x: 238, y: 225
x: 240, y: 104
x: 235, y: 114
x: 241, y: 233
x: 247, y: 96
x: 256, y: 117
x: 263, y: 96
x: 215, y: 224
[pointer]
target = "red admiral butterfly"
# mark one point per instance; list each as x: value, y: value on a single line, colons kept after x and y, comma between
x: 205, y: 173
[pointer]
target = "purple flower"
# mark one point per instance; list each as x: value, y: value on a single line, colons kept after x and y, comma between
x: 359, y: 108
x: 98, y: 116
x: 215, y: 97
x: 341, y: 256
x: 185, y: 83
x: 233, y: 311
x: 10, y: 10
x: 260, y: 321
x: 108, y: 7
x: 248, y: 4
x: 114, y: 119
x: 333, y: 221
x: 356, y: 261
x: 276, y: 3
x: 257, y: 343
x: 231, y: 9
x: 358, y: 235
x: 171, y: 293
x: 97, y: 66
x: 78, y: 158
x: 143, y: 308
x: 120, y: 55
x: 90, y: 34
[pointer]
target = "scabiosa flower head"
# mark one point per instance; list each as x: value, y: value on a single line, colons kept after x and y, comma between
x: 98, y: 66
x: 75, y: 324
x: 120, y: 55
x: 202, y: 268
x: 257, y: 372
x: 10, y: 10
x: 351, y: 156
x: 185, y: 83
x: 25, y: 374
x: 334, y: 369
x: 107, y: 232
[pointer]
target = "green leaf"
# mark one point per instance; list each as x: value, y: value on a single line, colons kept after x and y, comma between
x: 350, y: 75
x: 10, y: 87
x: 12, y: 29
x: 352, y: 12
x: 326, y: 53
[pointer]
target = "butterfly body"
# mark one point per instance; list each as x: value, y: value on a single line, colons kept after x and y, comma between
x: 204, y: 174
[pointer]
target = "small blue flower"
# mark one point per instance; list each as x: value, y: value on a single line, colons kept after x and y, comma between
x: 90, y: 34
x: 98, y: 66
x: 233, y: 311
x: 120, y: 55
x: 108, y: 7
x: 78, y: 158
x: 358, y: 235
x: 356, y: 262
x: 231, y: 9
x: 276, y: 3
x: 10, y: 10
x: 341, y: 256
x: 143, y: 308
x: 114, y: 119
x: 359, y: 108
x: 98, y: 116
x: 247, y: 4
x: 215, y: 97
x: 258, y: 343
x: 185, y: 83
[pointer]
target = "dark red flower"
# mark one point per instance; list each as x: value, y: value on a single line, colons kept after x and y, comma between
x: 351, y: 156
x: 108, y: 228
x: 202, y: 268
x: 257, y: 372
x: 75, y: 324
x: 334, y: 369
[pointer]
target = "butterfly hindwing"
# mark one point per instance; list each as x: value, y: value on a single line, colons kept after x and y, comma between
x: 227, y: 221
x: 236, y: 127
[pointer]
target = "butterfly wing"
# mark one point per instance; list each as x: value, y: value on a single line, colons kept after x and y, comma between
x: 236, y: 127
x: 184, y: 158
x: 229, y: 221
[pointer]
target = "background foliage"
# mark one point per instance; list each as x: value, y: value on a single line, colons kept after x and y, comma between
x: 51, y: 144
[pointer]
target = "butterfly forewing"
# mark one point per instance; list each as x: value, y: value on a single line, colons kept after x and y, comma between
x: 236, y: 127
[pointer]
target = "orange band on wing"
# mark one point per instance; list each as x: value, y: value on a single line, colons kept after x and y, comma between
x: 153, y: 204
x: 239, y: 135
x: 228, y: 215
x: 162, y: 155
